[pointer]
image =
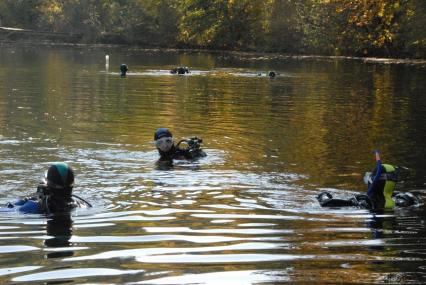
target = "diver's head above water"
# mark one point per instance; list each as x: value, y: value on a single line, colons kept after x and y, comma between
x: 123, y: 69
x: 380, y: 194
x: 56, y: 190
x: 188, y: 149
x: 60, y: 175
x: 54, y: 194
x: 163, y: 140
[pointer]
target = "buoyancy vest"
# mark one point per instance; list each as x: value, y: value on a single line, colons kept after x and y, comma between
x: 381, y: 190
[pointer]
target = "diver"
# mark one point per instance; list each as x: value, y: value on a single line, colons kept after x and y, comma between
x: 54, y: 194
x: 179, y: 70
x: 123, y: 69
x: 271, y: 74
x: 380, y: 194
x: 168, y: 151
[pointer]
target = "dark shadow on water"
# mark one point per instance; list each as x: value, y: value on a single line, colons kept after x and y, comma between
x: 379, y: 224
x: 398, y: 230
x: 164, y: 165
x: 167, y: 165
x: 60, y: 282
x: 59, y: 231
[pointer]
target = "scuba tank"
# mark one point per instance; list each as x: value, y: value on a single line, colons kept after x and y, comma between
x: 192, y: 147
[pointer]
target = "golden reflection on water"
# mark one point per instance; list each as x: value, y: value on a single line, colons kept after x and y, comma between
x: 245, y: 212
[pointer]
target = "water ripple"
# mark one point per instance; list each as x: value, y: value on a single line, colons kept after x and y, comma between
x: 72, y: 273
x: 247, y: 277
x: 140, y: 254
x: 16, y: 248
x: 13, y: 270
x: 245, y: 214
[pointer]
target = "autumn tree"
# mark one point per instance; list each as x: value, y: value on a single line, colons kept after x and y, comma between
x: 328, y: 27
x: 224, y: 24
x: 370, y: 26
x: 285, y: 32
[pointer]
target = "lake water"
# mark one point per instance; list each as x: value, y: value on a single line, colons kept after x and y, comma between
x: 246, y: 213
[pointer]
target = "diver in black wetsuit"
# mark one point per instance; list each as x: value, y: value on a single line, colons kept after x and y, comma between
x: 168, y: 151
x: 123, y: 70
x: 380, y: 194
x: 179, y: 70
x: 54, y: 195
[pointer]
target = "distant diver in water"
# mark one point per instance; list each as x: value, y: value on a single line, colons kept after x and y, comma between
x: 168, y: 151
x: 179, y: 70
x: 123, y: 69
x: 54, y: 195
x: 380, y: 194
x: 272, y: 74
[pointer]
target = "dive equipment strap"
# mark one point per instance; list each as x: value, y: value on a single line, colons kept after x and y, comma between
x: 81, y: 199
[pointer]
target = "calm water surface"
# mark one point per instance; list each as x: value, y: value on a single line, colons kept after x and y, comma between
x: 245, y: 214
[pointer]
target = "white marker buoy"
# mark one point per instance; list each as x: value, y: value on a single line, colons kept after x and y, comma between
x: 107, y: 62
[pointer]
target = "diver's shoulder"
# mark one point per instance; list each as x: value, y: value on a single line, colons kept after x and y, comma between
x: 30, y: 206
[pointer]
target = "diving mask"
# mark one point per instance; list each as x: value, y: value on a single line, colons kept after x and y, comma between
x: 164, y: 144
x: 368, y: 178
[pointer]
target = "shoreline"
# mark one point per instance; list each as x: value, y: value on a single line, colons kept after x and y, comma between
x: 245, y: 55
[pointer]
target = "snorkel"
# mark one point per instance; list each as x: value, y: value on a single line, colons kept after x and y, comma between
x: 378, y: 174
x: 382, y: 184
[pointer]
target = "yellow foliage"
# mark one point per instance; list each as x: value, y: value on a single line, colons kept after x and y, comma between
x: 51, y: 9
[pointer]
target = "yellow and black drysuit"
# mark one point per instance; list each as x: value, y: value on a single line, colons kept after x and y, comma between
x: 380, y: 194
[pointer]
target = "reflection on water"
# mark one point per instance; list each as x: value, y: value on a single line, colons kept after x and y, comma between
x: 59, y: 230
x: 246, y: 213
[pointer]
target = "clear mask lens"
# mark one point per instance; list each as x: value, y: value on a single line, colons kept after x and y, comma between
x: 164, y: 144
x: 368, y: 178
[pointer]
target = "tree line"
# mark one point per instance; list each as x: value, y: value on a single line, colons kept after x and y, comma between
x: 328, y: 27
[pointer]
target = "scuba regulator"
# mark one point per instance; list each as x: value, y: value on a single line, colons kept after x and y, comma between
x: 193, y: 146
x: 42, y: 190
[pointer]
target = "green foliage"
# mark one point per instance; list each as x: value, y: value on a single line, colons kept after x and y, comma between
x: 333, y: 27
x: 412, y: 35
x: 149, y: 22
x: 223, y: 24
x: 19, y: 13
x: 285, y: 29
x: 369, y: 27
